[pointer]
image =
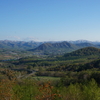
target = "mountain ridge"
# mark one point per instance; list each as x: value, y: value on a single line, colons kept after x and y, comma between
x: 56, y: 47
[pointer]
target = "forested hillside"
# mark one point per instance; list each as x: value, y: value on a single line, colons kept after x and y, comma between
x: 45, y: 48
x: 55, y: 48
x: 25, y: 75
x: 84, y: 52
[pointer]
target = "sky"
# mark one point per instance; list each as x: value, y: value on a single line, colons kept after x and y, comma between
x: 50, y: 20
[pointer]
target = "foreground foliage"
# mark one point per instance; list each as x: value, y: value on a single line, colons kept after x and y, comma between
x: 51, y: 78
x: 34, y: 90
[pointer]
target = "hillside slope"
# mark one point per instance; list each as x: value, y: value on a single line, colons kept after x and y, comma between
x: 55, y: 48
x: 84, y: 52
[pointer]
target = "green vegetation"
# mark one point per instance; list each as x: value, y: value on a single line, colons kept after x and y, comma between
x: 45, y: 78
x: 55, y: 48
x: 84, y: 52
x: 72, y: 76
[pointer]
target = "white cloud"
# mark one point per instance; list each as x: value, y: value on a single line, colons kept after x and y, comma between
x: 30, y: 39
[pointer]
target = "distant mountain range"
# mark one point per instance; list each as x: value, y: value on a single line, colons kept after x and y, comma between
x: 85, y: 41
x: 49, y: 47
x: 55, y: 48
x: 62, y: 47
x: 7, y: 44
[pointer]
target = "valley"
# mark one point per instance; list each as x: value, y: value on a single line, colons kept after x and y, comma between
x: 59, y: 69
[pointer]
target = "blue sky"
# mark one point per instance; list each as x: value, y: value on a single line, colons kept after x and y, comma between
x: 50, y: 20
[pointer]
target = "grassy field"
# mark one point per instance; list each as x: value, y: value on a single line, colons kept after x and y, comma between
x: 45, y: 78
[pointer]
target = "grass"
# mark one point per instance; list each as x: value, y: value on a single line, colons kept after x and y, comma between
x: 45, y: 78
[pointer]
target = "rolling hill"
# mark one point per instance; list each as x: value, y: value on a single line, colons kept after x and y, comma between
x: 55, y: 48
x: 84, y: 52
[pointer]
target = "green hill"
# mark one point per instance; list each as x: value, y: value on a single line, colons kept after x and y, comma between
x: 55, y: 48
x: 84, y: 52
